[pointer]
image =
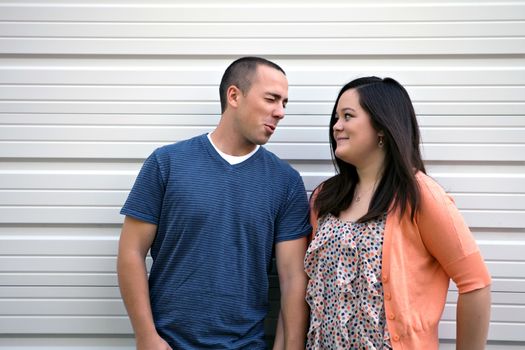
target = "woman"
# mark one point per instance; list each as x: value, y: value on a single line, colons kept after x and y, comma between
x: 388, y: 239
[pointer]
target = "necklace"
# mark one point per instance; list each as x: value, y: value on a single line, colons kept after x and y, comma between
x: 358, y: 195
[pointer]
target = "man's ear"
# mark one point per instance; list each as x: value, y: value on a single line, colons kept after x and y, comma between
x: 233, y: 94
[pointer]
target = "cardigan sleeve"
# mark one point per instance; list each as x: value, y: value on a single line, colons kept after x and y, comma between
x: 448, y: 238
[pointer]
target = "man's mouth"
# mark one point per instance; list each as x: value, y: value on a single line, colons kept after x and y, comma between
x: 271, y: 127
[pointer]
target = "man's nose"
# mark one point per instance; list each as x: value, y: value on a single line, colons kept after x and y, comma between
x: 279, y: 112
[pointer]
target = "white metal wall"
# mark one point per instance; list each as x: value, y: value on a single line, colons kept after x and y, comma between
x: 88, y: 88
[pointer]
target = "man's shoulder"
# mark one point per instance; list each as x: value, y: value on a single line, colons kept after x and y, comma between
x: 279, y: 163
x: 179, y: 147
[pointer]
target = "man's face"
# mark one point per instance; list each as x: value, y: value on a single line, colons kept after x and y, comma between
x: 262, y: 107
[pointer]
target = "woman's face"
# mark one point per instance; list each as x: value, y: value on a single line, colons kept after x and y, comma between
x: 356, y: 139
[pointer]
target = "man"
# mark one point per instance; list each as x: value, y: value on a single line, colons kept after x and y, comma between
x: 212, y: 209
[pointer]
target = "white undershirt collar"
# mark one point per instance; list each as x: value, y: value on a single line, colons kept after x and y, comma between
x: 233, y: 159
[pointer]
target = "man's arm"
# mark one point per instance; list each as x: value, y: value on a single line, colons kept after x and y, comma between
x: 473, y: 317
x: 135, y: 241
x: 293, y: 318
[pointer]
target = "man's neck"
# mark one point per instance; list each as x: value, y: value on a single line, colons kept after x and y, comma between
x: 229, y: 144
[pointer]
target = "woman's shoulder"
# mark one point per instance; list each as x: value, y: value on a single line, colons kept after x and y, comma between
x: 433, y: 195
x: 428, y: 185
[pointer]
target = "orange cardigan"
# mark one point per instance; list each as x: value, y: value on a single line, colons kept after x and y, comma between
x: 419, y: 259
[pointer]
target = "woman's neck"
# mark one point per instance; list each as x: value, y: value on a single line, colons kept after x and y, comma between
x: 369, y: 176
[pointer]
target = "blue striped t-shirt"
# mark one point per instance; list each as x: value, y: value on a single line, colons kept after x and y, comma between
x: 216, y: 227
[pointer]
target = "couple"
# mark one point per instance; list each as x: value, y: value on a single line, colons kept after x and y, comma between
x: 372, y: 272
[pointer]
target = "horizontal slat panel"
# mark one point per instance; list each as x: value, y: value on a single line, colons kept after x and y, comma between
x: 283, y: 134
x: 207, y: 107
x: 60, y: 264
x: 498, y: 313
x: 288, y: 151
x: 60, y: 279
x: 242, y: 12
x: 110, y: 215
x: 497, y: 298
x: 472, y: 135
x: 467, y: 121
x: 501, y: 331
x: 264, y: 30
x: 481, y: 182
x: 208, y: 72
x: 512, y: 285
x: 264, y: 47
x: 49, y: 307
x: 211, y: 93
x: 451, y: 121
x: 502, y: 285
x: 126, y: 343
x: 64, y: 198
x: 107, y: 265
x: 123, y: 342
x: 494, y: 218
x: 56, y: 246
x: 507, y: 269
x: 19, y: 244
x: 122, y: 133
x: 102, y: 232
x: 309, y: 168
x: 209, y: 120
x: 57, y: 264
x: 74, y: 342
x: 120, y: 325
x: 65, y: 325
x: 490, y: 183
x: 103, y: 308
x: 59, y: 292
x: 117, y: 198
x: 503, y: 250
x: 64, y: 179
x: 91, y: 294
x: 62, y: 215
x: 61, y: 198
x: 491, y: 345
x: 489, y: 201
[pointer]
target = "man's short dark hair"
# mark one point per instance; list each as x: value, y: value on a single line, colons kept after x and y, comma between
x: 240, y: 73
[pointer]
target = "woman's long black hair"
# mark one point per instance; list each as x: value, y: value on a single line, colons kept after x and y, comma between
x: 391, y: 111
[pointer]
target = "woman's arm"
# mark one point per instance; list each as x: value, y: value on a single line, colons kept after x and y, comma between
x: 472, y: 319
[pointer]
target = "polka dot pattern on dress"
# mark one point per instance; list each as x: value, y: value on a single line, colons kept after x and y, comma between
x: 345, y: 292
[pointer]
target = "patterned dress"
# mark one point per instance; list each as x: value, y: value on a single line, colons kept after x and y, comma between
x: 345, y: 292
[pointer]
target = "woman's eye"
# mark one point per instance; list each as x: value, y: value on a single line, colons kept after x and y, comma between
x: 347, y: 116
